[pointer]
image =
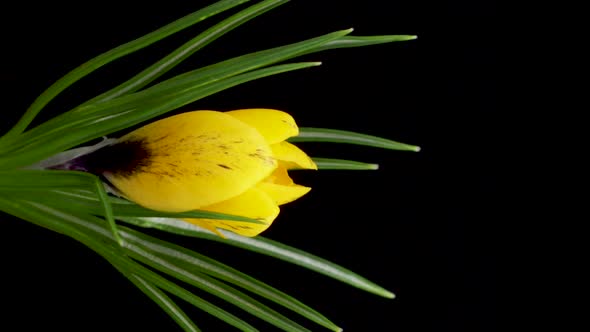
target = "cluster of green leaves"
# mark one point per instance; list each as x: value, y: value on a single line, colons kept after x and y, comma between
x: 76, y: 204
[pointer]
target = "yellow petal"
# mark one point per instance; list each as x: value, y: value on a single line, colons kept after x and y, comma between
x: 291, y: 157
x: 275, y: 126
x: 253, y: 203
x: 192, y: 160
x: 279, y: 176
x: 280, y: 187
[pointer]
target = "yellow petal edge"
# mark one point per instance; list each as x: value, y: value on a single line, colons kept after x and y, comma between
x: 254, y: 203
x: 274, y: 125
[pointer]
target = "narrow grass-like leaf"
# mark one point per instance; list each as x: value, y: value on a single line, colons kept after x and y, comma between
x: 299, y: 257
x: 193, y: 261
x: 141, y: 247
x: 164, y: 65
x: 307, y: 134
x: 341, y: 164
x: 39, y: 179
x: 267, y: 247
x: 19, y: 180
x: 255, y: 60
x: 251, y: 61
x: 182, y: 293
x: 230, y: 294
x: 207, y: 284
x: 163, y: 301
x: 360, y: 41
x: 63, y: 140
x: 191, y: 80
x: 216, y: 288
x: 112, y: 55
x: 79, y: 226
x: 261, y: 245
x: 107, y: 209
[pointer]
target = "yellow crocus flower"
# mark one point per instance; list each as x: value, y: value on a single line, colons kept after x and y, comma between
x: 230, y: 162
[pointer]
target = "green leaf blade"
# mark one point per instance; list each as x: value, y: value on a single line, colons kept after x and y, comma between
x: 218, y: 289
x: 266, y: 247
x: 361, y: 41
x: 201, y: 77
x: 308, y: 134
x: 109, y: 56
x: 159, y: 68
x: 163, y: 301
x: 299, y: 257
x: 341, y: 164
x: 39, y: 179
x: 85, y: 229
x: 192, y: 261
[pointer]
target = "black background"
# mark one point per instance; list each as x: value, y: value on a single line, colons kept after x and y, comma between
x: 422, y: 226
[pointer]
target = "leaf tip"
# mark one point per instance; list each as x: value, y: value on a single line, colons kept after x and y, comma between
x: 416, y: 148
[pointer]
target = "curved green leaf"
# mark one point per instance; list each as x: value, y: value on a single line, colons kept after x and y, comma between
x: 173, y: 288
x: 360, y: 41
x: 165, y: 256
x: 341, y: 164
x: 164, y: 65
x: 192, y: 80
x: 307, y: 134
x: 163, y: 301
x: 112, y: 55
x: 193, y: 261
x: 78, y: 227
x: 23, y: 180
x: 216, y: 288
x: 267, y: 247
